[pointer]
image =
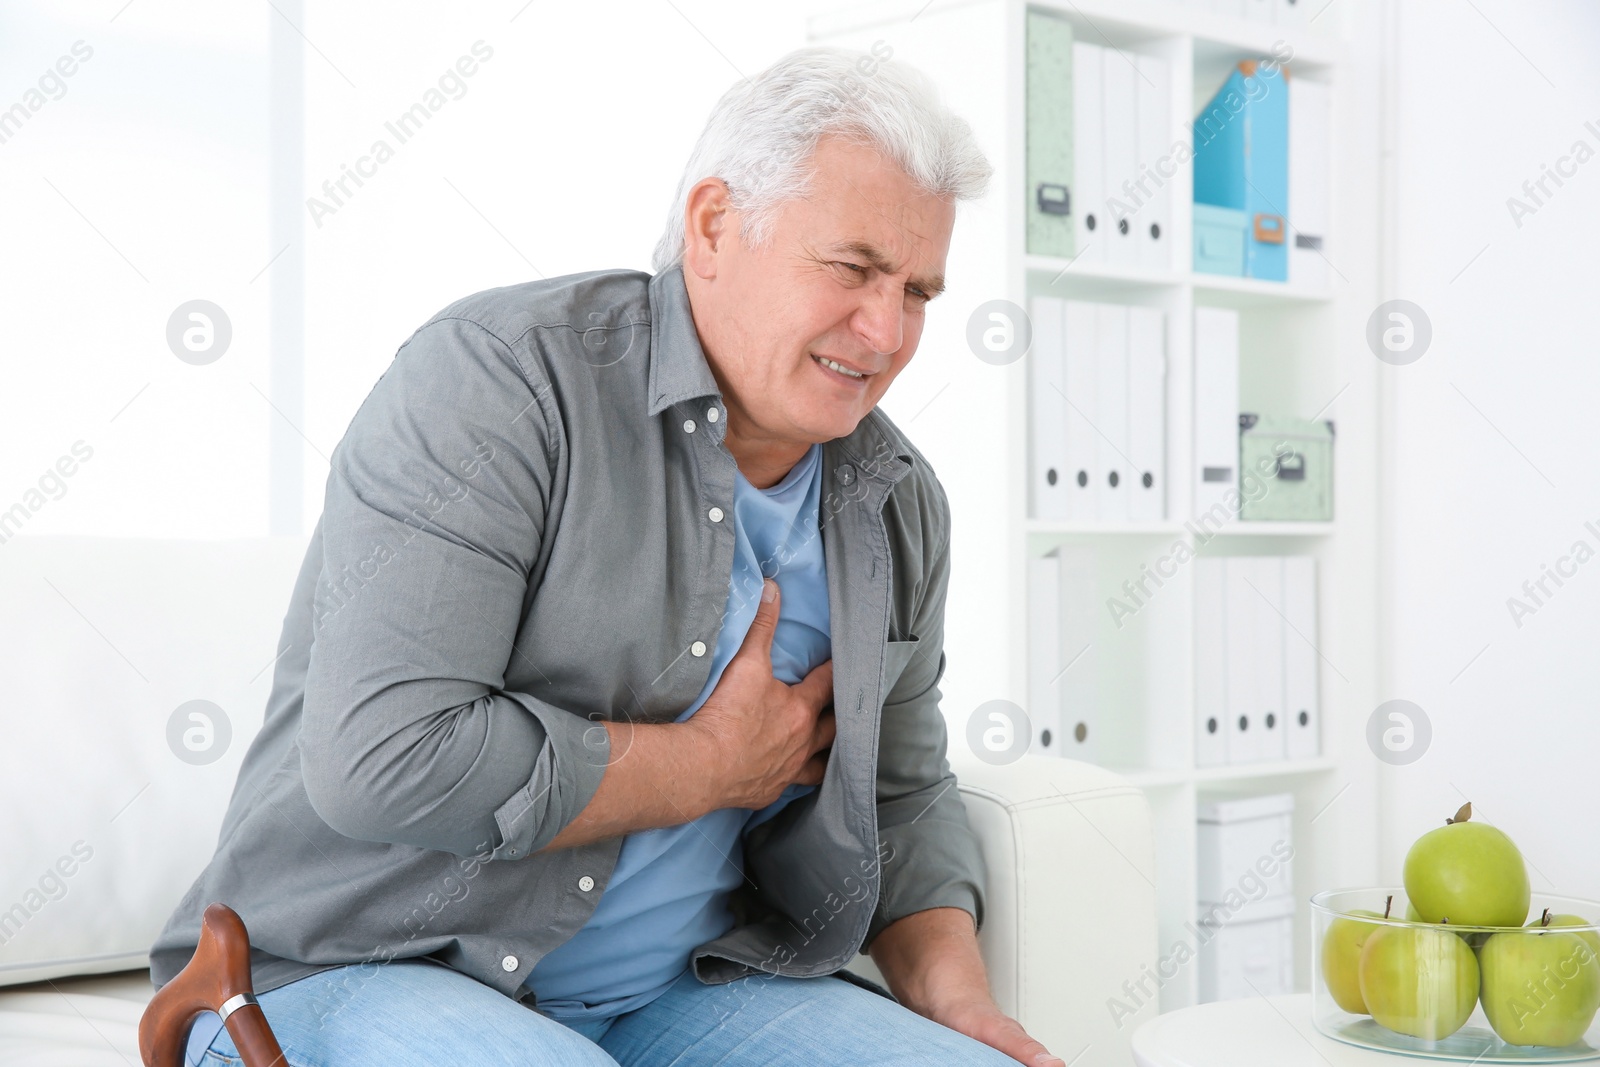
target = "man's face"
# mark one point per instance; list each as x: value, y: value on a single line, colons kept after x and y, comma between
x: 846, y: 276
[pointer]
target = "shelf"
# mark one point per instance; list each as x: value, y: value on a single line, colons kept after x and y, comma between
x: 1153, y: 778
x: 1246, y: 772
x: 1103, y: 529
x: 1276, y: 529
x: 1120, y: 23
x: 1159, y: 777
x: 1221, y: 290
x: 1220, y: 41
x: 1168, y: 529
x: 1214, y: 290
x: 1071, y: 270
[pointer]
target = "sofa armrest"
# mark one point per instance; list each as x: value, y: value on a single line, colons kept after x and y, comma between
x: 1071, y: 901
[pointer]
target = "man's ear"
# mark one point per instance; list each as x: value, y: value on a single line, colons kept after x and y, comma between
x: 709, y: 223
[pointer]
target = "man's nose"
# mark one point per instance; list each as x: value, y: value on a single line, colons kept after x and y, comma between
x: 880, y: 320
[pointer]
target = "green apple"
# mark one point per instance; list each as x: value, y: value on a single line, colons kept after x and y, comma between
x: 1418, y: 981
x: 1540, y: 988
x: 1475, y: 938
x: 1591, y: 936
x: 1341, y: 959
x: 1467, y: 873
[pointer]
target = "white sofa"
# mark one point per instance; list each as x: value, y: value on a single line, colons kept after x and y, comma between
x: 108, y: 828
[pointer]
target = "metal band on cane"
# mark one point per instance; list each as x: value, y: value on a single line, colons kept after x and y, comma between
x: 234, y: 1003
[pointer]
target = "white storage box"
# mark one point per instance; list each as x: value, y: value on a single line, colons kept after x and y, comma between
x: 1248, y: 958
x: 1245, y: 848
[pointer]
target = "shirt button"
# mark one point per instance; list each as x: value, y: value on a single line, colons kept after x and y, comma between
x: 509, y: 963
x: 688, y: 426
x: 847, y: 474
x: 697, y: 649
x: 712, y: 414
x: 586, y: 883
x: 716, y: 514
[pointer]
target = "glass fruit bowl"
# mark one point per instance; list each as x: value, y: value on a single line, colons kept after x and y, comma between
x: 1478, y: 994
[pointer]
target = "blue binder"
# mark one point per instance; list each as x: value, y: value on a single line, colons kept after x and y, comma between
x: 1241, y: 161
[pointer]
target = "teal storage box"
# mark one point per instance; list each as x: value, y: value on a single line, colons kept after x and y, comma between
x: 1285, y: 469
x: 1219, y: 238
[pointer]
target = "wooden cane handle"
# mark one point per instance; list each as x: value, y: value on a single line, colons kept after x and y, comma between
x: 216, y: 978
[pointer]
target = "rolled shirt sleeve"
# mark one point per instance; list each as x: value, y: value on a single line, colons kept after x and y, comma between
x: 434, y: 519
x: 929, y: 854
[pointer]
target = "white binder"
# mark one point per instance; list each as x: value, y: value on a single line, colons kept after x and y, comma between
x: 1044, y: 654
x: 1110, y: 413
x: 1310, y: 160
x: 1300, y: 656
x: 1047, y: 412
x: 1216, y: 415
x: 1267, y: 577
x: 1083, y: 444
x: 1079, y: 680
x: 1147, y: 418
x: 1121, y: 162
x: 1088, y: 153
x: 1260, y: 10
x: 1290, y: 12
x: 1210, y: 663
x: 1246, y: 739
x: 1153, y: 223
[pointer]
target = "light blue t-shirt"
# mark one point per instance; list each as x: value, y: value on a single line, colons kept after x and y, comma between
x: 669, y: 892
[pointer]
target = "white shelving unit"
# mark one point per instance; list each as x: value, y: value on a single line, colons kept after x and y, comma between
x: 1301, y: 352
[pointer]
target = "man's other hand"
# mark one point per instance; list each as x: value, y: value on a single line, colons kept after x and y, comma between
x: 931, y: 962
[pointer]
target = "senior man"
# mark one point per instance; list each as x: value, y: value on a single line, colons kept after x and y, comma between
x: 607, y: 728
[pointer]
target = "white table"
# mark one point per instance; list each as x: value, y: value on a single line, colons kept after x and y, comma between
x: 1250, y: 1032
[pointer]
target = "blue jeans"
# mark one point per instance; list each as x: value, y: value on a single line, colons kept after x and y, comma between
x: 424, y: 1013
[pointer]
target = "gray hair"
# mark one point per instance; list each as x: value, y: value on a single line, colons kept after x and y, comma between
x: 762, y: 135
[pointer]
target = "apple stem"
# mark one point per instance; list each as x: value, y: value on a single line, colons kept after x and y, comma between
x: 1463, y: 813
x: 1387, y: 905
x: 1544, y: 920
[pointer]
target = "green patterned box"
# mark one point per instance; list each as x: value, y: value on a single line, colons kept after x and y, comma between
x: 1285, y: 469
x: 1048, y: 168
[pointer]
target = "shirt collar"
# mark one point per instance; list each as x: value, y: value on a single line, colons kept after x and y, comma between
x: 679, y: 372
x: 678, y: 367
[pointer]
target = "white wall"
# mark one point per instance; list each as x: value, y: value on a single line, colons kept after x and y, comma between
x: 562, y: 156
x: 135, y: 186
x: 1491, y: 446
x: 146, y: 184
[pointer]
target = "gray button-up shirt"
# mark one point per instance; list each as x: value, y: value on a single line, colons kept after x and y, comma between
x: 515, y: 546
